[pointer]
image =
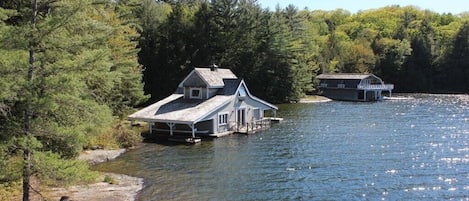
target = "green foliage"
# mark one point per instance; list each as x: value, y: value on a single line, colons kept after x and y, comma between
x: 10, y: 190
x: 69, y: 68
x: 125, y: 136
x: 52, y: 170
x: 110, y: 180
x: 9, y: 166
x: 70, y: 73
x: 280, y: 52
x: 119, y: 135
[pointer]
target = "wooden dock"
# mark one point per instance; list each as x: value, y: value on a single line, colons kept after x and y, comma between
x: 255, y: 126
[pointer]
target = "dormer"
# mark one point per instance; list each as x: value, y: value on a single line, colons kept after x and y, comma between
x: 204, y: 83
x: 242, y: 93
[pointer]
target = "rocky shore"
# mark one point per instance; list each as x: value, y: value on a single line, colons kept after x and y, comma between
x: 119, y: 188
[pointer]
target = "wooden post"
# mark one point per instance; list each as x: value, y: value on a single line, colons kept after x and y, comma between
x: 193, y: 129
x: 150, y: 126
x: 171, y: 126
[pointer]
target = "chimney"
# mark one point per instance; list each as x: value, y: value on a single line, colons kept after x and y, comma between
x: 213, y: 67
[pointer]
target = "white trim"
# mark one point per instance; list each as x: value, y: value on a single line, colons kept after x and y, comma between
x: 254, y: 97
x: 223, y: 121
x: 208, y: 113
x: 191, y: 96
x: 245, y: 113
x: 181, y: 84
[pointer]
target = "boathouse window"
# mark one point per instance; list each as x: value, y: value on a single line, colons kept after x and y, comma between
x: 241, y: 93
x: 222, y: 119
x: 196, y: 93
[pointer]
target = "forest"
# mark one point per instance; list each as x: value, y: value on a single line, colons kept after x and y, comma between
x: 72, y: 70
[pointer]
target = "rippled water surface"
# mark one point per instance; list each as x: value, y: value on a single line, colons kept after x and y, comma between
x: 415, y: 148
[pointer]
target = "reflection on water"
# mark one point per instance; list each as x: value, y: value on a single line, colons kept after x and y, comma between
x: 402, y: 149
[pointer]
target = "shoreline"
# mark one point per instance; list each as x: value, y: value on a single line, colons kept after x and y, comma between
x: 121, y: 188
x: 314, y: 99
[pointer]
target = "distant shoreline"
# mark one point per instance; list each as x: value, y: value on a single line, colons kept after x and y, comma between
x: 314, y: 99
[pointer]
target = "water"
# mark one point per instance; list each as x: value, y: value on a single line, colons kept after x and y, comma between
x: 406, y: 149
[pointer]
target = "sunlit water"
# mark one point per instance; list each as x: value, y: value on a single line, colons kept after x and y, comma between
x: 405, y: 149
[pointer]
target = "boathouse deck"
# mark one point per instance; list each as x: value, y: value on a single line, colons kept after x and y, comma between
x: 234, y: 128
x: 255, y: 126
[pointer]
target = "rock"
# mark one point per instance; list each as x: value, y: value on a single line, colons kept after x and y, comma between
x: 98, y: 156
x: 65, y: 198
x: 125, y: 188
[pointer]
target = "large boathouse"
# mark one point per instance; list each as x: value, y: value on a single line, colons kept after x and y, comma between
x: 353, y: 87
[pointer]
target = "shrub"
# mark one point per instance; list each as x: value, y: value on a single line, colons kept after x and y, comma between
x: 120, y: 136
x: 125, y: 136
x: 10, y: 190
x: 54, y: 171
x: 110, y: 180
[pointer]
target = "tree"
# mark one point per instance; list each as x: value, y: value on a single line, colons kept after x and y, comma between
x: 166, y: 53
x: 63, y: 75
x: 126, y: 87
x: 418, y: 70
x: 457, y: 68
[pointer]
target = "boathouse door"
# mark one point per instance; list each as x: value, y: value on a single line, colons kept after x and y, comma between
x: 241, y: 116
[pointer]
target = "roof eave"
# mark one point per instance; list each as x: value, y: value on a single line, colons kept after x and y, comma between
x: 213, y: 110
x: 254, y: 97
x: 150, y: 120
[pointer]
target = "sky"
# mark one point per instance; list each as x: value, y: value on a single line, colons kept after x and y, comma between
x: 440, y: 6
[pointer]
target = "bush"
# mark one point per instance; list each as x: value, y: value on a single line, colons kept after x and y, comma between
x: 10, y: 169
x: 54, y: 171
x: 126, y: 137
x: 11, y: 190
x: 110, y: 180
x: 120, y: 136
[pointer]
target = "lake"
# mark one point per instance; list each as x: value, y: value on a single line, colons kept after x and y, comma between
x: 411, y: 148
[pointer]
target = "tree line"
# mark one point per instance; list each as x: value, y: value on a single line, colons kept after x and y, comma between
x: 280, y: 52
x: 73, y: 69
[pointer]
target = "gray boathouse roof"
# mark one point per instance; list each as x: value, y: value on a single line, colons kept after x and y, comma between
x: 176, y: 109
x: 344, y: 76
x: 213, y: 78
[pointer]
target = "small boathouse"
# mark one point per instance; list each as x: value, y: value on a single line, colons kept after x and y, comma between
x: 353, y: 86
x: 209, y: 102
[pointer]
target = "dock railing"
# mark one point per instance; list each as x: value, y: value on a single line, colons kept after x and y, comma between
x: 250, y: 127
x: 376, y: 86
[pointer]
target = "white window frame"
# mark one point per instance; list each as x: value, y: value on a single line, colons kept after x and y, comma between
x: 222, y: 118
x: 191, y: 95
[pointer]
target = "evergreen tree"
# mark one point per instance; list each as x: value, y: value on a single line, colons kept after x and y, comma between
x: 166, y: 54
x: 65, y: 70
x: 417, y: 73
x: 458, y: 61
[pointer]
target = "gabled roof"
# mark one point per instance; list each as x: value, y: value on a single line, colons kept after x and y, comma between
x: 213, y: 78
x: 242, y: 84
x: 345, y: 76
x: 231, y: 86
